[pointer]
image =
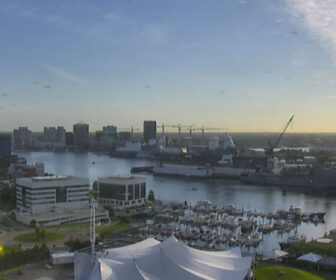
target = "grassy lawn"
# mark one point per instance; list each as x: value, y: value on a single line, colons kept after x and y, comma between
x: 114, y: 227
x: 31, y: 237
x: 288, y: 273
x: 72, y: 226
x: 7, y: 250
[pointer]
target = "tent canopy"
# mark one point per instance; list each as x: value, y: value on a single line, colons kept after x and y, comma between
x: 328, y: 261
x: 171, y: 259
x: 279, y: 254
x: 311, y: 257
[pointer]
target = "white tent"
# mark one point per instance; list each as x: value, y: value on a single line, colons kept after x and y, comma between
x: 171, y: 259
x: 279, y: 254
x: 310, y: 258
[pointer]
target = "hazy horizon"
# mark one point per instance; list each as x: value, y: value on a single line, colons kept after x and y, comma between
x: 242, y: 65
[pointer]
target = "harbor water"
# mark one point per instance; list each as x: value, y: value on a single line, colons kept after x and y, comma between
x: 220, y: 192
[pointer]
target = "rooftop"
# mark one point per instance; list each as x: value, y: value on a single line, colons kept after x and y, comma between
x: 49, y: 178
x: 52, y: 181
x: 121, y: 178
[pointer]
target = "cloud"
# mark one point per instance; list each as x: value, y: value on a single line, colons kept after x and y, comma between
x: 319, y: 16
x: 60, y: 73
x: 4, y: 95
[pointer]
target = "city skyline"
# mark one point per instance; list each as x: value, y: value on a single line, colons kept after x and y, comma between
x: 242, y: 65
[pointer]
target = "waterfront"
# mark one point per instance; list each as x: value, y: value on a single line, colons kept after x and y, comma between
x: 219, y: 192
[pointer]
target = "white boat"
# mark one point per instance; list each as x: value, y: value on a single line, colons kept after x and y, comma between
x: 296, y: 238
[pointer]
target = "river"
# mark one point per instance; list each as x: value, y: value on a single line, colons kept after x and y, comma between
x: 219, y: 192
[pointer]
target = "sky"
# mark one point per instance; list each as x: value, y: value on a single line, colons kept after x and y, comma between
x: 242, y: 65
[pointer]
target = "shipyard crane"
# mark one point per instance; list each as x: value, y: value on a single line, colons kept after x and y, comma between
x: 178, y: 126
x: 271, y: 145
x: 203, y: 129
x: 132, y: 129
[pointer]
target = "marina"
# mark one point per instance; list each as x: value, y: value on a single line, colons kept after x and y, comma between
x: 250, y: 198
x: 207, y: 226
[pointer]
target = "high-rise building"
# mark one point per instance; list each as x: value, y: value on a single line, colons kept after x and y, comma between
x: 5, y: 150
x: 5, y: 145
x: 54, y: 134
x: 81, y: 136
x: 110, y: 131
x: 69, y: 138
x: 22, y: 139
x: 124, y: 136
x: 149, y: 131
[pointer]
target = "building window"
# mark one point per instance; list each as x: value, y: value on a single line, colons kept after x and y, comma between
x: 137, y: 191
x: 61, y: 195
x: 112, y: 191
x: 130, y: 192
x: 143, y: 190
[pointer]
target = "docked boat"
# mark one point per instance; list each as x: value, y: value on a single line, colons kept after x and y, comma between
x: 183, y: 170
x: 296, y: 238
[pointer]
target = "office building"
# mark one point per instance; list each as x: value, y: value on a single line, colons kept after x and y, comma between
x: 69, y: 138
x: 53, y: 200
x: 5, y: 150
x: 5, y: 145
x: 120, y: 192
x: 149, y: 130
x: 81, y: 136
x: 110, y: 131
x: 22, y: 139
x: 38, y: 194
x: 54, y: 134
x: 125, y: 136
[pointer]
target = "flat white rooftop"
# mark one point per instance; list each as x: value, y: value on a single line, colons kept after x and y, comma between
x: 51, y: 181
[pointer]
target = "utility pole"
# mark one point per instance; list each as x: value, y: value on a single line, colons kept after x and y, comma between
x: 92, y: 229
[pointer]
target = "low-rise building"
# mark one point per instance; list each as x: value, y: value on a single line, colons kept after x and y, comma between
x: 38, y: 194
x: 53, y: 200
x: 120, y: 192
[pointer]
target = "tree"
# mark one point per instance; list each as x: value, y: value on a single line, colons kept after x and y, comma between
x: 93, y: 193
x: 95, y: 186
x: 8, y: 196
x: 151, y: 196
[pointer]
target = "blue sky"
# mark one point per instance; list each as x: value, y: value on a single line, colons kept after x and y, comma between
x: 243, y: 65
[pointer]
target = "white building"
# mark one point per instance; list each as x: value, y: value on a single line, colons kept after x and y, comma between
x: 119, y: 192
x: 213, y: 144
x: 40, y: 194
x: 228, y: 142
x: 54, y: 200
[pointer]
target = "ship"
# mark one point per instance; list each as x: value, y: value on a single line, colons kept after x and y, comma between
x: 317, y: 178
x: 183, y: 170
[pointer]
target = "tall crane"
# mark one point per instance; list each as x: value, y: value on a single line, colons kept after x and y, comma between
x: 272, y: 146
x: 203, y: 129
x: 132, y: 129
